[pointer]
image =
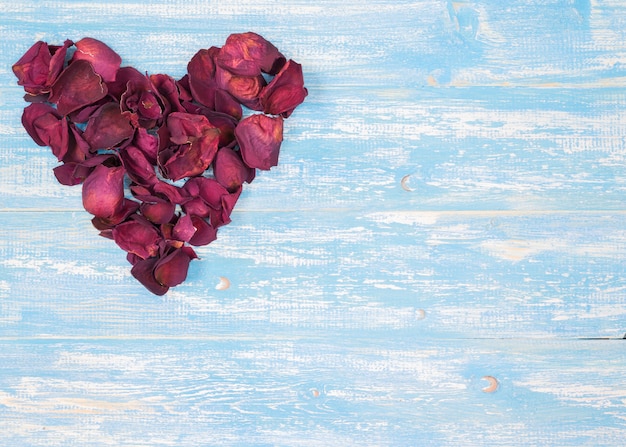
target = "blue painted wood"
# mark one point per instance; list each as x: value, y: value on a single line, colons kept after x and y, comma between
x: 448, y: 215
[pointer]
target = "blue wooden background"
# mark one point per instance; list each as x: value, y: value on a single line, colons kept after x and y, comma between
x: 449, y: 208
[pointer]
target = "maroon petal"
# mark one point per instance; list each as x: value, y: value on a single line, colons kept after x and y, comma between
x: 201, y: 71
x: 139, y: 169
x: 259, y: 137
x: 76, y: 87
x: 230, y: 170
x: 171, y: 270
x: 204, y: 234
x: 103, y: 191
x: 248, y: 54
x: 147, y: 143
x: 158, y: 212
x: 184, y: 229
x: 143, y: 271
x: 46, y: 128
x: 285, y: 91
x: 245, y: 89
x: 137, y: 236
x: 128, y: 208
x: 39, y: 67
x: 108, y: 127
x: 105, y: 61
x: 186, y: 127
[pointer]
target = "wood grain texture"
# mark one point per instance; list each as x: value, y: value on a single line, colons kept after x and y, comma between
x: 449, y: 207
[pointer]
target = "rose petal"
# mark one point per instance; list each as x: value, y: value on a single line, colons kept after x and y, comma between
x: 105, y: 61
x: 158, y: 212
x: 143, y: 271
x: 171, y: 270
x: 259, y: 137
x: 108, y: 127
x: 184, y: 229
x: 204, y: 234
x: 249, y: 54
x: 285, y: 91
x: 230, y: 170
x: 47, y: 128
x: 103, y: 191
x: 245, y: 89
x: 137, y: 236
x: 139, y: 169
x: 76, y: 87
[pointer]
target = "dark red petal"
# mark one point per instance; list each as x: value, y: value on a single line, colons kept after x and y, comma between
x: 31, y: 114
x: 249, y: 54
x: 139, y: 169
x: 230, y: 170
x: 143, y: 271
x: 205, y: 233
x: 138, y: 237
x: 185, y: 127
x: 171, y: 270
x: 57, y: 63
x: 33, y: 68
x: 285, y: 92
x: 103, y: 191
x: 76, y: 87
x: 108, y: 127
x: 128, y: 208
x: 184, y: 229
x: 245, y: 89
x: 259, y: 137
x: 158, y: 212
x: 105, y: 61
x: 201, y: 71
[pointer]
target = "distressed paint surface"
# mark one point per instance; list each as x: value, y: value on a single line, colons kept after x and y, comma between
x: 449, y: 208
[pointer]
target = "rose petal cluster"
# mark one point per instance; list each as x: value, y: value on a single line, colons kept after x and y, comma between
x: 161, y: 161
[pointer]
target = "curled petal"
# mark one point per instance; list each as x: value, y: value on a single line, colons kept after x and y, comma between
x: 77, y: 86
x: 105, y: 61
x: 108, y: 127
x: 184, y: 229
x: 158, y: 212
x: 143, y: 271
x: 249, y: 54
x: 204, y: 234
x: 285, y: 92
x: 171, y: 270
x: 259, y: 137
x: 47, y: 128
x: 103, y: 191
x: 186, y: 127
x: 137, y: 236
x: 230, y: 170
x: 201, y: 71
x: 139, y: 169
x: 245, y: 89
x: 39, y: 67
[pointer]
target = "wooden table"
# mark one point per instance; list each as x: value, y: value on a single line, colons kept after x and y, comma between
x: 438, y: 259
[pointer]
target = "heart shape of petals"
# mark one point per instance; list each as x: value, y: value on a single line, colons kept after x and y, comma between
x: 162, y: 162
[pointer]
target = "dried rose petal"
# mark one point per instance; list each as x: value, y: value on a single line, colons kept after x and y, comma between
x: 108, y: 127
x: 249, y: 54
x: 143, y: 271
x: 103, y: 191
x: 245, y: 89
x: 184, y: 229
x: 137, y: 236
x: 230, y: 170
x: 139, y: 169
x: 205, y: 233
x: 158, y: 212
x: 77, y: 86
x: 259, y: 137
x: 171, y: 270
x: 47, y: 128
x: 198, y: 142
x: 39, y: 67
x: 285, y: 92
x: 104, y: 60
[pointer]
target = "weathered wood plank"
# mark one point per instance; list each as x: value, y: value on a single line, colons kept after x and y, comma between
x: 474, y: 274
x: 359, y: 391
